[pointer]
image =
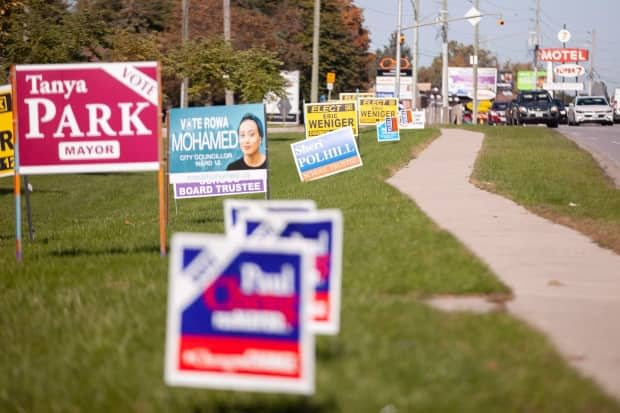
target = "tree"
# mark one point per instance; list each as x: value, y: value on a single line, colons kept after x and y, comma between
x: 47, y: 31
x: 213, y: 65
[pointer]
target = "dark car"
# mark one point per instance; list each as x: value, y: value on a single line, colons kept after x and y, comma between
x: 497, y: 113
x: 533, y: 107
x: 563, y: 118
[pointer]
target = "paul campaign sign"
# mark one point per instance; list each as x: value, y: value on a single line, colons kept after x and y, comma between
x: 90, y: 117
x: 320, y: 118
x: 238, y: 315
x: 7, y: 139
x: 233, y: 207
x: 322, y: 228
x: 326, y: 155
x: 218, y: 150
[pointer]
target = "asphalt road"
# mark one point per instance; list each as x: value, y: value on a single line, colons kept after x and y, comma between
x: 603, y: 142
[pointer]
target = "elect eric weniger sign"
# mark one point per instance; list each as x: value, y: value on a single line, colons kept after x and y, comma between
x: 92, y: 117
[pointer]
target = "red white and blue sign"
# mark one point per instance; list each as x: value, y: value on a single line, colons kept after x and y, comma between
x: 387, y: 131
x: 324, y: 229
x: 238, y: 315
x: 326, y: 155
x: 232, y: 208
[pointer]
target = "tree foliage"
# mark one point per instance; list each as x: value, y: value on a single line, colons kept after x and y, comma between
x: 47, y: 31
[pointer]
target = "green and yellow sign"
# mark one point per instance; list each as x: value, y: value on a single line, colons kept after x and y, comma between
x: 375, y: 110
x: 321, y: 118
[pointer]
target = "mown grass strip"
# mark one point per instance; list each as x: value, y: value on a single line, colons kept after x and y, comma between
x: 550, y: 175
x: 83, y: 317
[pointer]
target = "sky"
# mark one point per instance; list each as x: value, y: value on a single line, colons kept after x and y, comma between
x: 582, y: 18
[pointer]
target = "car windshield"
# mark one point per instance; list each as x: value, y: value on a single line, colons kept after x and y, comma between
x: 591, y: 101
x: 535, y: 97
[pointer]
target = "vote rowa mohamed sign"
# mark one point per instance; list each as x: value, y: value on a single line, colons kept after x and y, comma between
x: 88, y: 117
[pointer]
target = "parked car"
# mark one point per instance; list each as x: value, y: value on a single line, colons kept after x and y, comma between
x: 590, y: 109
x: 497, y: 113
x: 563, y: 119
x: 533, y: 107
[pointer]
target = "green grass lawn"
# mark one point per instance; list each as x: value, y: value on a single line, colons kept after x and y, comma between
x: 83, y: 316
x: 547, y: 173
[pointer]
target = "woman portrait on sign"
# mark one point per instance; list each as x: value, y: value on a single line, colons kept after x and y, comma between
x: 251, y: 135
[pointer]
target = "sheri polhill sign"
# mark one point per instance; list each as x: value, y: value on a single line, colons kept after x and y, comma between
x: 93, y: 117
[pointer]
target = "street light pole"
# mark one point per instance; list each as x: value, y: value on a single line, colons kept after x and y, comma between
x: 314, y: 86
x: 416, y: 42
x: 444, y: 54
x: 398, y: 34
x: 184, y: 36
x: 475, y: 69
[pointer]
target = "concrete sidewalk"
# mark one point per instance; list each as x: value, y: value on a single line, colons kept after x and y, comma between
x: 563, y: 283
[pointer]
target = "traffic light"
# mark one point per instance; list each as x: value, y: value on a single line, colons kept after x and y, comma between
x: 402, y: 39
x: 500, y: 21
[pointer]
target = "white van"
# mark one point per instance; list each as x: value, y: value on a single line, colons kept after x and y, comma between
x: 616, y: 104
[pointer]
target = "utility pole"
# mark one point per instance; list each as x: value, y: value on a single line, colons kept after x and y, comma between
x: 475, y: 68
x: 416, y: 43
x: 591, y: 71
x: 444, y: 54
x: 314, y: 86
x: 537, y: 44
x: 184, y: 36
x: 230, y: 98
x: 398, y: 34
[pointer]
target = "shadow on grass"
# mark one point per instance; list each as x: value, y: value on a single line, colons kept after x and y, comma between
x: 286, y: 138
x: 297, y: 405
x: 207, y: 220
x: 74, y: 252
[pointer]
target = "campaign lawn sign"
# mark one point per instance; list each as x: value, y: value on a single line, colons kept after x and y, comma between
x: 238, y: 315
x: 7, y: 138
x: 322, y: 227
x: 411, y: 119
x: 388, y: 131
x: 204, y: 141
x: 87, y: 117
x: 232, y: 208
x: 326, y: 155
x: 320, y: 118
x: 375, y: 110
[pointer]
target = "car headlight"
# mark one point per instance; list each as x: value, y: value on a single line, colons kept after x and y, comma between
x: 554, y: 108
x: 522, y: 109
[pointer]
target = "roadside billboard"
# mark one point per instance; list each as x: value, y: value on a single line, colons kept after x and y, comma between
x: 286, y: 109
x: 218, y: 150
x: 89, y: 117
x: 238, y: 314
x: 526, y: 80
x: 326, y: 155
x: 385, y: 86
x: 321, y: 118
x: 375, y: 110
x: 7, y: 138
x: 461, y: 81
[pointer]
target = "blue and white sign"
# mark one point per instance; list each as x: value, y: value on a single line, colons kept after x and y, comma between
x: 387, y: 131
x: 218, y: 150
x: 323, y: 228
x: 326, y: 155
x: 238, y: 315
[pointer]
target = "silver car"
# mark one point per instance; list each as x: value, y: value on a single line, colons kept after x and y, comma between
x: 592, y: 109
